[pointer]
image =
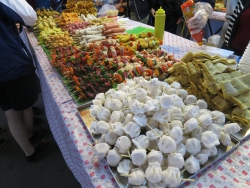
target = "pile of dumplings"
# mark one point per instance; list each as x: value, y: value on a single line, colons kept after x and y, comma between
x: 151, y: 131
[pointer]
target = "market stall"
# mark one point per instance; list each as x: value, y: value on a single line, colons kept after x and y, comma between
x: 74, y: 139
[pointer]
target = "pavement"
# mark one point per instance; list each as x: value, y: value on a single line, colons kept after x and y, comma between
x: 49, y: 171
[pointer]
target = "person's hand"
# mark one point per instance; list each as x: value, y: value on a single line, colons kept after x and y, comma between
x: 118, y: 6
x: 179, y: 20
x: 198, y: 22
x: 152, y: 11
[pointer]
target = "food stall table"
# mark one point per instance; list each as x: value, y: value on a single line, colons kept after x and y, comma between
x: 74, y: 139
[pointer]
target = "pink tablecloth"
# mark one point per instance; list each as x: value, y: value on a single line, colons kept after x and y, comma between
x: 73, y: 138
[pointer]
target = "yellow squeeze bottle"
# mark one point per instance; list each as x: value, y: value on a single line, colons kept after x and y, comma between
x: 160, y: 17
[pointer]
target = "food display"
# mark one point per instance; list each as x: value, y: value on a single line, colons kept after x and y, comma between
x: 81, y: 7
x: 144, y: 123
x: 211, y: 78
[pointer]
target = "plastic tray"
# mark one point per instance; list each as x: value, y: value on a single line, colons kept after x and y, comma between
x: 139, y: 29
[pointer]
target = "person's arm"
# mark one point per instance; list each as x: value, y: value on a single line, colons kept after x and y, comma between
x: 120, y: 5
x: 17, y: 11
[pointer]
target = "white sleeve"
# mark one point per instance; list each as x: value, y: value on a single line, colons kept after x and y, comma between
x: 23, y: 9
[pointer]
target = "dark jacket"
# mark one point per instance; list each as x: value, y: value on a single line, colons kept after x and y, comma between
x: 171, y: 7
x: 15, y: 59
x: 142, y: 7
x: 239, y: 9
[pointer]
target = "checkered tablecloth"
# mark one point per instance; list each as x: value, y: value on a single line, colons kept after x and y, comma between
x: 73, y: 138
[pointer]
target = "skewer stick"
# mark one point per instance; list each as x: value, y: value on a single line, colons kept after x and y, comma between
x: 153, y: 130
x: 90, y: 145
x: 126, y: 156
x: 93, y: 117
x: 129, y: 154
x: 125, y: 175
x: 187, y: 179
x: 183, y: 171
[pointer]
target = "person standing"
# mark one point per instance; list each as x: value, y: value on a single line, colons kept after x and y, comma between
x: 235, y: 32
x: 19, y: 84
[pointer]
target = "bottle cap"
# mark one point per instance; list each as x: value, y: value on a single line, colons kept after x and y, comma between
x: 160, y: 11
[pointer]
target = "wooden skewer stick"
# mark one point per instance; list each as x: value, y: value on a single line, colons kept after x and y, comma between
x: 183, y: 171
x: 126, y: 156
x: 90, y: 145
x: 153, y: 130
x: 187, y: 179
x: 125, y: 175
x: 93, y: 117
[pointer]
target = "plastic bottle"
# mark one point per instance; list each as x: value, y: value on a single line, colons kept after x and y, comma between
x: 188, y: 9
x: 160, y: 17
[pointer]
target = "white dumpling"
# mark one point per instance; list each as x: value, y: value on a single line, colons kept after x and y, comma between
x: 94, y: 110
x: 139, y: 156
x: 113, y: 104
x: 140, y: 119
x: 166, y: 144
x: 137, y: 107
x: 102, y: 127
x: 176, y: 85
x: 202, y: 158
x: 97, y: 102
x: 137, y: 177
x: 165, y: 127
x: 182, y: 93
x: 209, y: 139
x: 113, y: 158
x: 155, y: 156
x: 166, y: 101
x: 191, y: 112
x: 128, y: 118
x: 206, y: 111
x: 215, y: 129
x: 176, y: 160
x: 103, y: 114
x: 111, y: 137
x: 141, y: 142
x: 121, y: 86
x: 176, y: 123
x: 143, y: 83
x: 161, y: 116
x: 154, y: 172
x: 176, y: 134
x: 213, y: 151
x: 141, y: 94
x: 231, y: 128
x: 120, y: 95
x: 218, y: 117
x: 225, y: 139
x: 190, y: 99
x: 130, y: 83
x: 171, y: 176
x: 196, y: 133
x: 118, y: 128
x: 123, y: 144
x: 176, y: 114
x: 132, y: 129
x: 154, y: 134
x: 205, y: 120
x: 190, y: 125
x: 101, y: 149
x: 92, y: 127
x: 116, y: 116
x: 127, y: 101
x: 206, y: 151
x: 101, y: 97
x: 153, y: 85
x: 152, y: 105
x: 164, y: 86
x: 177, y: 101
x: 110, y: 92
x: 192, y: 165
x: 193, y: 146
x: 180, y: 148
x: 202, y: 104
x: 124, y: 166
x: 185, y: 138
x: 171, y: 91
x: 160, y: 184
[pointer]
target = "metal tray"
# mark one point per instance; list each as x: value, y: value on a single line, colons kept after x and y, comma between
x: 245, y: 131
x: 223, y: 151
